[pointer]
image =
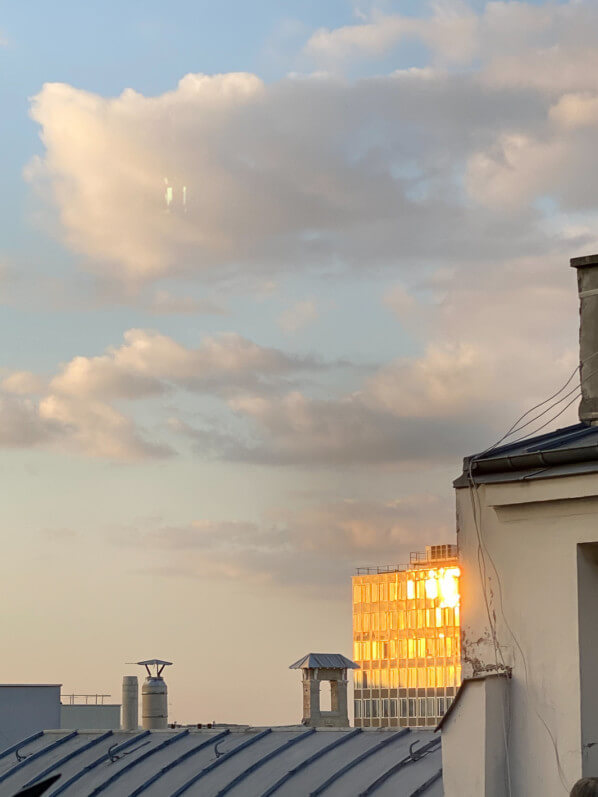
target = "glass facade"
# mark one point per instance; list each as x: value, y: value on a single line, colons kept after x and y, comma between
x: 407, y: 640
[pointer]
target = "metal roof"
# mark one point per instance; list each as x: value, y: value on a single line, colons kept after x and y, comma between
x: 564, y: 452
x: 291, y: 761
x: 329, y: 661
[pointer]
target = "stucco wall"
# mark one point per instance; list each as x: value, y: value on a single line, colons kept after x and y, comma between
x: 530, y: 531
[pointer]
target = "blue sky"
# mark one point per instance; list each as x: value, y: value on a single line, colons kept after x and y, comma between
x: 218, y: 411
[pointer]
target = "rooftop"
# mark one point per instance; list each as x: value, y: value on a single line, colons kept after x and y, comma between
x: 565, y: 452
x: 334, y: 661
x: 286, y: 761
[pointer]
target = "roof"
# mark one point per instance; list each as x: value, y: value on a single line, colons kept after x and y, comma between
x: 564, y: 452
x: 465, y: 683
x: 283, y: 761
x: 329, y: 661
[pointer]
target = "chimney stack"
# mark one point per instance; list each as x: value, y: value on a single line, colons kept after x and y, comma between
x: 130, y: 710
x: 587, y: 286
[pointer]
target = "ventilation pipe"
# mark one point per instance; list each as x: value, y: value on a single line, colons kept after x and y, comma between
x: 130, y: 716
x: 154, y: 696
x: 587, y: 285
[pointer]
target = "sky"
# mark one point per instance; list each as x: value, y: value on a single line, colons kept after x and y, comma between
x: 268, y: 271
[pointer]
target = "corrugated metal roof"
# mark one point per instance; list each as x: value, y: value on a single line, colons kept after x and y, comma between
x: 325, y: 661
x: 289, y: 761
x: 568, y: 451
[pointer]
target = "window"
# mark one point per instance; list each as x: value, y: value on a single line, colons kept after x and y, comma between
x: 421, y: 706
x: 403, y: 707
x: 431, y: 673
x: 364, y: 680
x: 411, y: 648
x: 402, y: 677
x: 393, y: 648
x: 356, y: 594
x: 401, y: 619
x: 438, y: 618
x: 412, y: 706
x: 449, y: 646
x: 357, y: 709
x: 421, y: 676
x: 421, y: 648
x: 420, y: 589
x: 366, y: 622
x: 375, y: 708
x: 374, y: 593
x: 383, y: 592
x: 410, y: 590
x: 402, y: 648
x: 383, y: 620
x: 375, y: 676
x: 394, y: 679
x: 367, y: 593
x: 385, y: 707
x: 393, y: 707
x: 392, y: 592
x: 412, y: 678
x: 367, y: 708
x: 430, y: 646
x: 357, y: 651
x: 430, y: 708
x: 440, y: 706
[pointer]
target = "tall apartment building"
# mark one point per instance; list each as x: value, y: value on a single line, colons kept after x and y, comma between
x: 406, y: 639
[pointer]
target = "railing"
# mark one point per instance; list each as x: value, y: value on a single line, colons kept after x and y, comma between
x: 83, y: 700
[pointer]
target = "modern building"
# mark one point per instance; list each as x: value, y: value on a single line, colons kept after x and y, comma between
x: 406, y: 640
x: 525, y: 721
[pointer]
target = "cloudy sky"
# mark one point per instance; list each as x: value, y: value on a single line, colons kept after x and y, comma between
x: 267, y: 271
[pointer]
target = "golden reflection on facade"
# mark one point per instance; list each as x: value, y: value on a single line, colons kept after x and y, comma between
x: 406, y: 639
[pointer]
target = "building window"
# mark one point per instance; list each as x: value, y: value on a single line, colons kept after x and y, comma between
x: 375, y: 708
x: 403, y: 707
x: 385, y: 707
x: 431, y: 708
x: 412, y: 706
x: 393, y: 707
x: 440, y: 706
x: 357, y: 709
x: 421, y: 706
x: 366, y: 709
x: 356, y: 594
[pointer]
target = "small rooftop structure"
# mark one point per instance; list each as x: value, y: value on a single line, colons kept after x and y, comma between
x: 324, y: 660
x: 319, y: 667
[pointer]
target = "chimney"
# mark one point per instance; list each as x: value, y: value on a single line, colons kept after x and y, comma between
x: 130, y: 716
x: 154, y: 695
x: 587, y: 286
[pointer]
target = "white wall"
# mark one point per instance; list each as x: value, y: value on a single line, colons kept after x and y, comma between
x: 531, y: 530
x: 26, y: 709
x: 473, y: 761
x: 90, y: 717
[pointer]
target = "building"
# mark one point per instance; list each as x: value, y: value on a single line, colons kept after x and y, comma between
x: 406, y: 640
x: 92, y: 712
x: 526, y: 718
x: 237, y: 761
x: 26, y: 709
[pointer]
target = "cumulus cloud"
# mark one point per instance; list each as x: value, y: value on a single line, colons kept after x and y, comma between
x: 309, y: 172
x: 75, y: 408
x: 314, y: 546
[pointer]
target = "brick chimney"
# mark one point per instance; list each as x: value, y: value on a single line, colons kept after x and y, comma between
x: 587, y: 285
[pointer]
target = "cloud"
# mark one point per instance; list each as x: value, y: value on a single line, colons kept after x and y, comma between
x: 306, y: 173
x: 450, y: 31
x: 75, y: 410
x: 315, y: 545
x: 149, y: 363
x: 298, y: 315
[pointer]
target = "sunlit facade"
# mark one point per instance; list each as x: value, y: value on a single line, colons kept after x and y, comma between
x: 406, y: 639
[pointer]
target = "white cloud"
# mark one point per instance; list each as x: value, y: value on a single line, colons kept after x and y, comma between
x: 309, y: 172
x: 22, y: 383
x: 311, y: 546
